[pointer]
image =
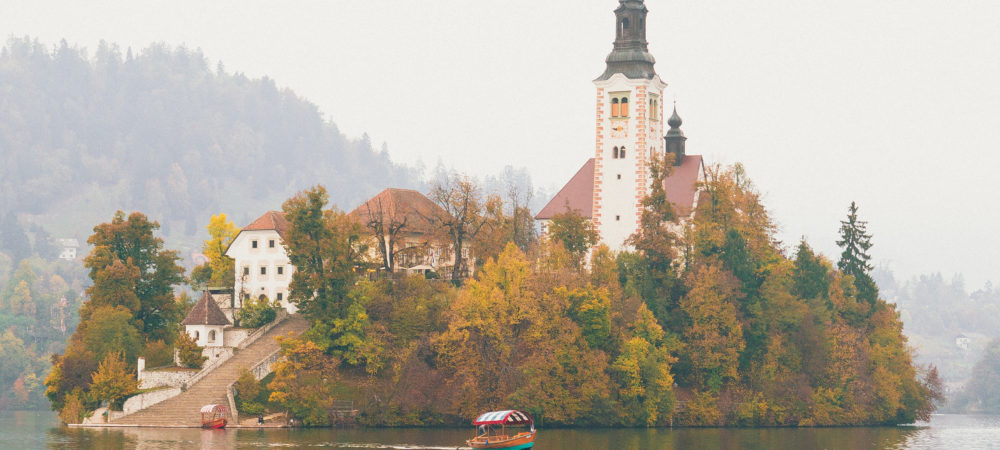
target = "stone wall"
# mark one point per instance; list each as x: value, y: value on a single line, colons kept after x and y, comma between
x: 173, y: 377
x: 216, y: 353
x: 138, y: 402
x: 235, y: 336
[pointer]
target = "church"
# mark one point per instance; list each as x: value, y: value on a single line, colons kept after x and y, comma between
x: 610, y: 186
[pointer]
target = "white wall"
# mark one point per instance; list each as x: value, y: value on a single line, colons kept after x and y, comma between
x: 249, y: 261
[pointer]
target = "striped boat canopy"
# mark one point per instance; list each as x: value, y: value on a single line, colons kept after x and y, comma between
x: 509, y: 417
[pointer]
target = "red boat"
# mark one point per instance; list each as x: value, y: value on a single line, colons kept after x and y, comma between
x: 213, y: 416
x: 493, y: 430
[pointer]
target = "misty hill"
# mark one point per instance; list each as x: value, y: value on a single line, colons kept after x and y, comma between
x: 162, y: 132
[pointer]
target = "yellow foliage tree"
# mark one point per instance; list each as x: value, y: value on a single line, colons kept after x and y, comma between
x: 112, y: 381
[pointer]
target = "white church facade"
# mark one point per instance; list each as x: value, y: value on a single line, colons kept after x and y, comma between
x: 630, y: 124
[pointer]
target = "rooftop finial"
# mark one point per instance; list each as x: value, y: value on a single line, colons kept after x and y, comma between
x: 675, y: 121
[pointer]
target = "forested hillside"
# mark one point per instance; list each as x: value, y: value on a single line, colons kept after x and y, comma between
x: 162, y: 131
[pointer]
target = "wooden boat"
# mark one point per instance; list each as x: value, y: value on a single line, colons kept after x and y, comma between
x: 213, y: 416
x: 493, y: 431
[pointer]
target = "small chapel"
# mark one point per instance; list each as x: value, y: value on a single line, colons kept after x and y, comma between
x: 609, y: 187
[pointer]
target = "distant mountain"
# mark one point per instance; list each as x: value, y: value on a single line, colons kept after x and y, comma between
x: 161, y: 132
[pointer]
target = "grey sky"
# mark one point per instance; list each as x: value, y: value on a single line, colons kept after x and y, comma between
x: 894, y: 104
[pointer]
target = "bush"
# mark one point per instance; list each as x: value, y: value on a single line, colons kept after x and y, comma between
x: 158, y: 354
x: 189, y: 352
x: 256, y: 313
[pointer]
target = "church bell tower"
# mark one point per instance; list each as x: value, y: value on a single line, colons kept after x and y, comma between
x: 629, y: 127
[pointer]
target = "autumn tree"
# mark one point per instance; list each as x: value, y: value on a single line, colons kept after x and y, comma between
x: 112, y: 381
x: 463, y: 216
x: 575, y: 232
x: 855, y: 260
x: 219, y: 269
x: 304, y: 381
x: 325, y: 248
x: 130, y: 268
x: 385, y: 218
x: 188, y: 351
x: 713, y: 338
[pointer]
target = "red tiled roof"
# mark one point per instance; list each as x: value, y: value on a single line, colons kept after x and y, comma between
x: 577, y: 195
x: 206, y: 312
x: 681, y: 186
x: 271, y: 220
x: 397, y: 204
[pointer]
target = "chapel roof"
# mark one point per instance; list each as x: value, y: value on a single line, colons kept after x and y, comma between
x: 578, y: 194
x: 206, y: 312
x: 398, y: 205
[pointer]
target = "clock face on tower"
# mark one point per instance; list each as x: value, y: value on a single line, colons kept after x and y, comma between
x: 619, y: 129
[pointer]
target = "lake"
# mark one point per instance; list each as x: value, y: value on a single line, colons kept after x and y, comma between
x: 37, y: 429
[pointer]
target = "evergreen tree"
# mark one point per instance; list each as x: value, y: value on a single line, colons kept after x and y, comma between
x: 855, y: 260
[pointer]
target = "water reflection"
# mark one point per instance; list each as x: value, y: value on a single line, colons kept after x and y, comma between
x: 39, y: 430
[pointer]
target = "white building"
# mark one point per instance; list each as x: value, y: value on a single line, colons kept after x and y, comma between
x: 69, y: 249
x: 609, y: 188
x: 262, y: 266
x: 206, y: 323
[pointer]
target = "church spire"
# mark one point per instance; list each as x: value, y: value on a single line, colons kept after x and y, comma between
x: 630, y: 55
x: 675, y: 138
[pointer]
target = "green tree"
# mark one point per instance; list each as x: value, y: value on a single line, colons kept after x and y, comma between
x: 325, y: 248
x: 112, y: 381
x: 811, y: 276
x: 109, y: 331
x: 304, y: 381
x: 256, y: 313
x: 575, y: 232
x: 855, y: 260
x: 188, y: 351
x: 130, y: 268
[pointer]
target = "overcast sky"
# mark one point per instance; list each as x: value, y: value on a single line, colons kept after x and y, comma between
x: 894, y: 104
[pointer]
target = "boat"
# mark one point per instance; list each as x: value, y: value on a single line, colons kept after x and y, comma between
x: 493, y: 433
x: 213, y: 416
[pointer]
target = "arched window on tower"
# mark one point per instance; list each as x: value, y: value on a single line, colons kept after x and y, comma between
x: 624, y: 107
x: 621, y: 153
x: 615, y: 108
x: 625, y: 23
x: 614, y: 154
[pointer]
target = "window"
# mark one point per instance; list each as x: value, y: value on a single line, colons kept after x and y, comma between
x: 615, y: 108
x: 246, y: 270
x: 624, y: 107
x: 625, y: 23
x: 280, y: 296
x: 263, y: 270
x: 619, y: 176
x: 262, y: 297
x: 197, y: 335
x: 281, y: 270
x: 211, y: 336
x: 618, y: 217
x: 246, y: 296
x: 621, y: 153
x: 270, y: 243
x: 614, y: 154
x: 253, y: 244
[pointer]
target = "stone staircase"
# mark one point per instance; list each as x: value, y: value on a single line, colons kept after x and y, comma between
x: 183, y: 410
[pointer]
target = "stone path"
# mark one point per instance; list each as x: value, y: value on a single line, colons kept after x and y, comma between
x: 183, y: 410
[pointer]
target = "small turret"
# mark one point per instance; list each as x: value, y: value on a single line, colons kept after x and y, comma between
x: 675, y: 137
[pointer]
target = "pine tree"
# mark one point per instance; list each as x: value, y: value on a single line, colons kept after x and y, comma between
x: 855, y: 260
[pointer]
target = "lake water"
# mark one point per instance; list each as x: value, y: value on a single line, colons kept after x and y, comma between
x: 30, y: 429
